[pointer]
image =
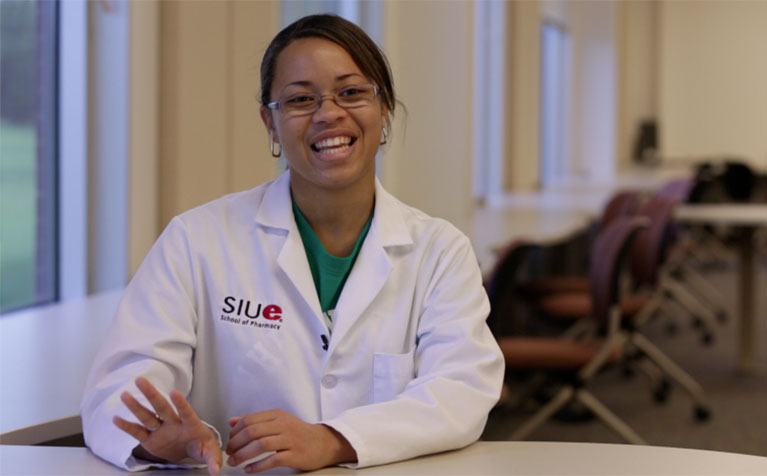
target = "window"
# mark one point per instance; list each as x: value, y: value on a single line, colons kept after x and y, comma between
x: 554, y: 102
x: 490, y: 129
x: 28, y: 45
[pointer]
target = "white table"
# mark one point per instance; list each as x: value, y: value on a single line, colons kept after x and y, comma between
x: 749, y: 218
x: 45, y: 355
x: 492, y: 229
x: 483, y: 458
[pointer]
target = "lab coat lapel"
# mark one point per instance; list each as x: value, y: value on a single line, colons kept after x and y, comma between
x: 372, y: 266
x: 292, y: 260
x: 276, y: 211
x: 368, y: 276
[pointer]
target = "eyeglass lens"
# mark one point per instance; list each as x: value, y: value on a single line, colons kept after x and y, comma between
x: 348, y: 97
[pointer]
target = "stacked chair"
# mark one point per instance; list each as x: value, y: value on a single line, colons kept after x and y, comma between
x: 650, y: 281
x: 622, y: 203
x: 685, y: 290
x: 608, y: 304
x: 588, y: 350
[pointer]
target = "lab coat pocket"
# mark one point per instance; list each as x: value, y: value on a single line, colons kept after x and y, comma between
x: 391, y: 374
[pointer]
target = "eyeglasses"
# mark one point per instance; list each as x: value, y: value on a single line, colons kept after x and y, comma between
x: 348, y: 97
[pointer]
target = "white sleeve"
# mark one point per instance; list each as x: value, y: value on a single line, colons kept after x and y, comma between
x: 153, y: 335
x: 458, y: 377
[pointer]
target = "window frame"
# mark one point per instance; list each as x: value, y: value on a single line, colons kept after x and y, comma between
x: 73, y: 149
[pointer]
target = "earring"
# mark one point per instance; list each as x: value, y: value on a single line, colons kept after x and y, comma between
x: 384, y: 136
x: 271, y: 147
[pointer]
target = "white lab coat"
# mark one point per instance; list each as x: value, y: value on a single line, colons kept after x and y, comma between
x: 411, y: 367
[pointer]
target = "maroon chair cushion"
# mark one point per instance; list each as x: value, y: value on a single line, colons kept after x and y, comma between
x: 606, y: 259
x: 651, y: 245
x: 567, y: 305
x: 570, y: 306
x: 557, y: 284
x: 544, y: 353
x: 622, y: 203
x: 632, y: 304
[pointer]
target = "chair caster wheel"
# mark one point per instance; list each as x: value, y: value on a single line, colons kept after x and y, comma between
x: 702, y: 413
x: 697, y: 323
x: 628, y: 371
x: 661, y: 391
x: 672, y: 329
x: 707, y: 339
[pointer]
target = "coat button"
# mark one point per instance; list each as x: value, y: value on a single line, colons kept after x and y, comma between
x: 329, y: 381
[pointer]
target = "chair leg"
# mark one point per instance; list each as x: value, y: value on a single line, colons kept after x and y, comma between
x: 648, y: 311
x: 518, y: 399
x: 609, y: 418
x: 597, y: 362
x: 690, y: 302
x: 705, y: 290
x: 709, y: 248
x: 669, y: 367
x: 654, y: 376
x: 555, y: 404
x: 581, y: 328
x: 671, y: 310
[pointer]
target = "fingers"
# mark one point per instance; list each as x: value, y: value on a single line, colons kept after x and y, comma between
x: 281, y: 458
x: 211, y: 454
x: 250, y: 433
x: 245, y: 421
x: 133, y: 429
x: 144, y: 415
x: 233, y: 421
x: 159, y: 403
x: 256, y: 448
x: 206, y: 450
x: 185, y: 410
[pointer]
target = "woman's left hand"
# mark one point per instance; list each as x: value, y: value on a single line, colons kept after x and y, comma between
x: 296, y: 444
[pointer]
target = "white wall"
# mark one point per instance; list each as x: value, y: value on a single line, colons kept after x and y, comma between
x: 523, y: 104
x: 144, y: 120
x: 213, y: 141
x: 712, y: 77
x: 638, y: 71
x: 428, y: 163
x: 490, y: 93
x: 593, y: 26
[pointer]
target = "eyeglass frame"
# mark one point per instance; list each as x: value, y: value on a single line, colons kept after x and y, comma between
x: 277, y: 106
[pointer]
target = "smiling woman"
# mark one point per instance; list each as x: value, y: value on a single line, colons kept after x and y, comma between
x: 319, y: 71
x: 371, y: 346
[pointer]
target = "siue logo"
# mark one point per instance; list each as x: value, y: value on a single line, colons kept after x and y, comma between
x: 245, y: 312
x: 271, y: 312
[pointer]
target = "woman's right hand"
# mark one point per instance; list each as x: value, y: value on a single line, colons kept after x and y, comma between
x: 167, y: 436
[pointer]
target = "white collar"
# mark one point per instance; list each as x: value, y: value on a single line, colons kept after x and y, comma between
x: 276, y: 211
